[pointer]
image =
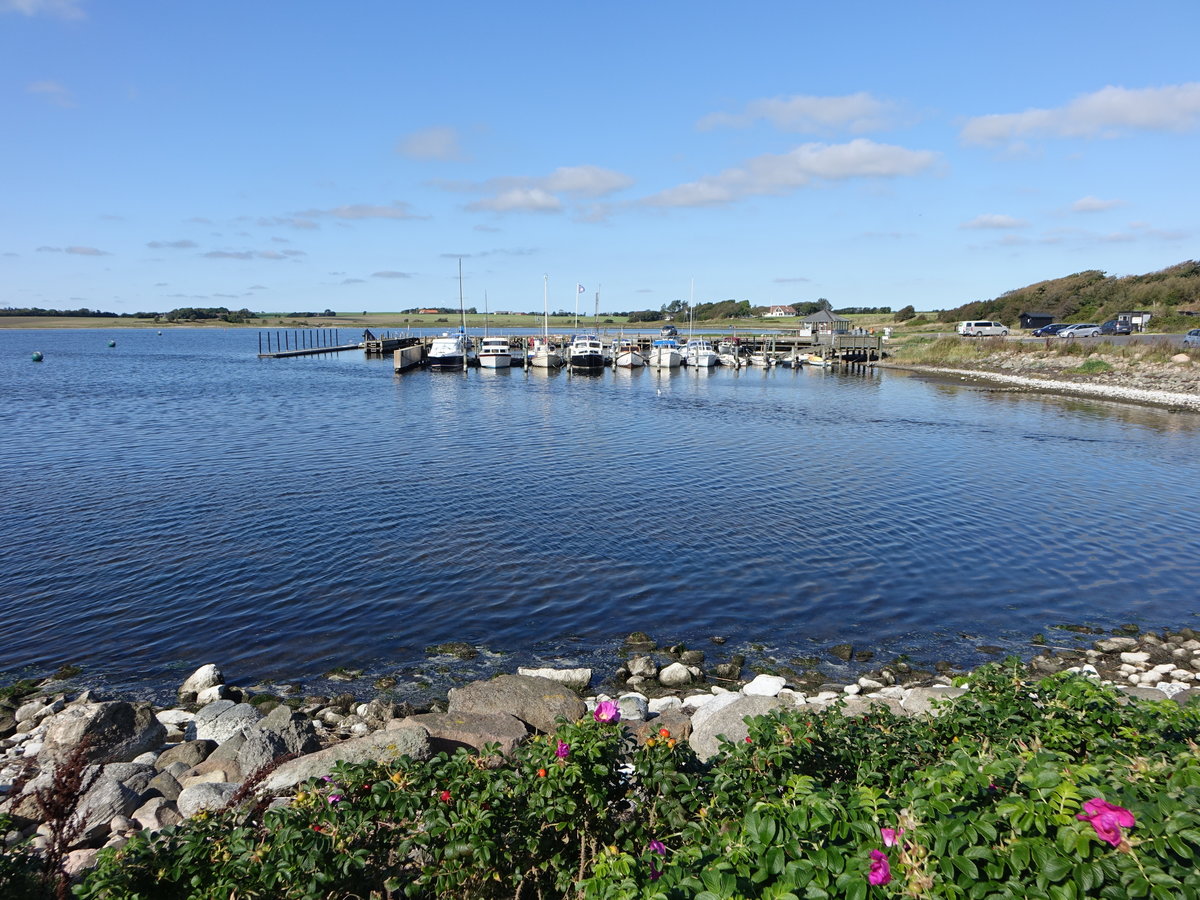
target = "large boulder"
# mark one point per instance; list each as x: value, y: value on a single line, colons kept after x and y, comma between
x: 382, y: 746
x: 451, y: 730
x: 206, y: 796
x: 221, y: 720
x: 202, y: 679
x: 538, y: 702
x: 115, y: 732
x: 725, y: 718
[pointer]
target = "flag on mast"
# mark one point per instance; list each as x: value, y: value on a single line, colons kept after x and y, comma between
x: 579, y: 289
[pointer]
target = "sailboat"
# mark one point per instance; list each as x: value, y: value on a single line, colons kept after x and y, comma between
x: 697, y: 351
x: 453, y: 350
x: 542, y: 353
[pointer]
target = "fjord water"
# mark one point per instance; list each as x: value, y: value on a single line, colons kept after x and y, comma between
x: 175, y: 500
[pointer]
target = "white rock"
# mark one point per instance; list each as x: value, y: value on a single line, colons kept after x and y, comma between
x: 1133, y: 677
x: 893, y: 692
x: 1182, y: 675
x: 851, y: 689
x: 174, y: 716
x: 1163, y: 668
x: 577, y: 679
x: 695, y: 701
x: 662, y: 704
x: 1170, y: 688
x: 213, y: 694
x: 825, y: 697
x: 204, y: 677
x: 675, y: 675
x: 634, y: 707
x: 791, y: 697
x: 32, y: 749
x: 869, y: 684
x: 1137, y: 657
x: 764, y: 686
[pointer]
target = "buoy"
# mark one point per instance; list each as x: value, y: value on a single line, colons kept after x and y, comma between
x: 37, y: 356
x: 112, y: 343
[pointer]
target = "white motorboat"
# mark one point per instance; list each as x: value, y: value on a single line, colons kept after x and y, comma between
x: 728, y: 355
x: 586, y: 353
x: 699, y: 352
x: 626, y: 354
x: 542, y: 352
x: 452, y: 350
x: 664, y: 354
x: 495, y: 353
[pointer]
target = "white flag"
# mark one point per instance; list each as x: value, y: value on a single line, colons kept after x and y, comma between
x: 579, y: 288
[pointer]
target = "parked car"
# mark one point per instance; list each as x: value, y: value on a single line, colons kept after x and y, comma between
x: 1091, y: 329
x: 669, y: 331
x: 1192, y: 338
x: 982, y: 329
x: 1112, y: 326
x: 1049, y: 330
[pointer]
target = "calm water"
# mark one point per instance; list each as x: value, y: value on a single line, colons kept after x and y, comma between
x: 175, y: 500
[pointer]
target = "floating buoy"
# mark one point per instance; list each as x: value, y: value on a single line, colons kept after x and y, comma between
x: 112, y: 343
x: 37, y: 356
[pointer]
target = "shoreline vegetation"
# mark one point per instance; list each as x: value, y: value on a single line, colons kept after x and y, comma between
x: 1074, y: 774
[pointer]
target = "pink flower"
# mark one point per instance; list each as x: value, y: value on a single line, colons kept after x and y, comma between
x: 563, y: 750
x: 335, y: 798
x: 891, y: 836
x: 881, y: 872
x: 658, y: 847
x: 607, y: 712
x: 1108, y: 820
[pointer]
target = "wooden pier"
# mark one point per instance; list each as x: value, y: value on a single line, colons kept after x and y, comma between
x: 301, y: 342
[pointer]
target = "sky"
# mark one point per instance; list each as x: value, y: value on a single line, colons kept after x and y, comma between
x: 302, y: 155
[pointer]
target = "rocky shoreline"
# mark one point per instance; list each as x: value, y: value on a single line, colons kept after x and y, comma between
x: 1173, y: 385
x: 142, y: 766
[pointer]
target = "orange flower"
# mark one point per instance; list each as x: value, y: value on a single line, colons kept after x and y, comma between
x: 541, y: 773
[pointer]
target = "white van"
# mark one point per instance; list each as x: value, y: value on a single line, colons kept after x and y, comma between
x: 982, y: 329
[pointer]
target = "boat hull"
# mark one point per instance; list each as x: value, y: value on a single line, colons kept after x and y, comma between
x: 630, y: 359
x: 495, y: 361
x: 587, y: 362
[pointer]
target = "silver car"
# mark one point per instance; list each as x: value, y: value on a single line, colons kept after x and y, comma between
x: 1080, y: 331
x: 1192, y: 338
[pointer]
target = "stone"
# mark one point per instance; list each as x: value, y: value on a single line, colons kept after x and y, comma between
x: 211, y: 771
x: 675, y: 721
x: 260, y: 748
x: 104, y: 801
x: 297, y: 731
x: 634, y: 707
x: 205, y: 677
x: 205, y: 797
x: 538, y: 702
x: 662, y: 704
x: 643, y: 666
x: 76, y: 862
x: 765, y: 686
x: 165, y: 785
x: 176, y: 717
x: 189, y: 752
x: 117, y: 732
x: 214, y: 693
x: 675, y: 675
x: 1135, y: 657
x: 576, y: 679
x: 382, y: 746
x: 221, y: 720
x: 726, y: 720
x: 450, y: 730
x: 156, y: 814
x: 923, y: 701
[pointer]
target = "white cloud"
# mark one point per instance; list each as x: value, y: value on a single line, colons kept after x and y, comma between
x: 439, y: 142
x: 856, y: 113
x: 53, y: 92
x: 1093, y: 204
x: 519, y: 200
x: 545, y: 193
x: 994, y: 220
x: 390, y: 274
x: 782, y: 173
x: 174, y: 245
x: 1107, y: 113
x: 60, y: 9
x: 396, y: 210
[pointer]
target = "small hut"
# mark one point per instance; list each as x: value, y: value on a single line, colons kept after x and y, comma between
x: 825, y: 322
x: 1036, y: 319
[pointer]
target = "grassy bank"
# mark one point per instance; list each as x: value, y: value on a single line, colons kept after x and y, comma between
x: 969, y: 352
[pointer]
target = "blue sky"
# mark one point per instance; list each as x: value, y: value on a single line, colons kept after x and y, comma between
x: 310, y: 155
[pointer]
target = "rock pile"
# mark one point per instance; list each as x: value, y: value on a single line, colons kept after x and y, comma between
x: 146, y: 768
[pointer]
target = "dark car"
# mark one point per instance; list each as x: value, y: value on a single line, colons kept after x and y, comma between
x: 669, y: 331
x: 1112, y: 326
x: 1049, y: 330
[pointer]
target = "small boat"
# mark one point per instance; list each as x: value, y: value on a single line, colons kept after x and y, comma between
x: 543, y: 353
x: 793, y: 360
x: 728, y: 355
x: 452, y: 351
x: 586, y: 353
x: 626, y: 354
x: 495, y: 353
x: 761, y: 358
x: 700, y: 353
x: 813, y: 360
x: 664, y: 354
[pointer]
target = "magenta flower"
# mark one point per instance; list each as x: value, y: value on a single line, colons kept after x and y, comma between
x: 607, y: 712
x: 658, y: 847
x: 563, y: 750
x: 335, y: 798
x: 881, y: 872
x: 891, y: 836
x: 1107, y: 819
x: 655, y: 874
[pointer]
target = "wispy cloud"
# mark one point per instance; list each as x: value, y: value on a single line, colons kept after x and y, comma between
x: 1094, y: 204
x: 1107, y: 113
x: 994, y: 221
x: 786, y: 172
x: 59, y: 9
x: 438, y: 143
x: 77, y: 251
x: 564, y: 186
x: 855, y: 113
x: 171, y: 245
x: 53, y: 92
x: 397, y: 210
x: 387, y: 273
x: 249, y: 254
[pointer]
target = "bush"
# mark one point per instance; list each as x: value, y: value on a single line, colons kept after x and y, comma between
x: 1057, y: 789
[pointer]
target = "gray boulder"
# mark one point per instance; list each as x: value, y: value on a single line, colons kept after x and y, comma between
x: 221, y: 720
x: 538, y: 702
x: 259, y: 749
x: 726, y: 718
x: 449, y: 731
x: 189, y: 752
x: 382, y: 746
x: 572, y: 678
x: 295, y: 730
x: 203, y: 678
x: 104, y: 801
x: 165, y: 785
x: 207, y: 796
x: 116, y: 732
x: 156, y: 814
x: 925, y: 701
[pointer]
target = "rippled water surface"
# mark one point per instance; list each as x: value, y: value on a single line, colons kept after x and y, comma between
x: 175, y: 500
